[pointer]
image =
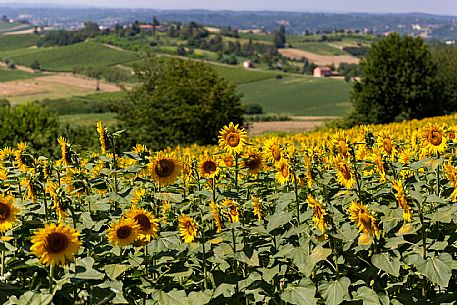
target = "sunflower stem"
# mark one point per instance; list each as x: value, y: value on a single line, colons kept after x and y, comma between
x: 438, y: 179
x: 296, y: 199
x: 45, y: 205
x: 235, y: 265
x: 424, y: 251
x: 236, y: 172
x: 2, y: 271
x: 146, y: 260
x: 113, y: 149
x: 51, y: 278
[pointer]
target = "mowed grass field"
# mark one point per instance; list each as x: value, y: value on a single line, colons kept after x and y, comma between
x: 319, y: 48
x: 298, y: 95
x: 239, y: 75
x: 66, y: 58
x: 7, y: 75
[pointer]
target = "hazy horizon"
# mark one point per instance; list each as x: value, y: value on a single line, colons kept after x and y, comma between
x: 445, y: 7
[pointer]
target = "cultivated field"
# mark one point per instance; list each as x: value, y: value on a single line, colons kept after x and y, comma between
x: 320, y: 60
x: 319, y: 48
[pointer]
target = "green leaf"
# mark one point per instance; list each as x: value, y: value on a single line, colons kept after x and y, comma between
x: 387, y: 263
x: 335, y: 292
x: 278, y: 219
x: 31, y: 298
x: 174, y: 297
x: 319, y: 254
x: 367, y: 296
x: 437, y: 269
x: 114, y: 270
x: 84, y: 270
x: 300, y: 295
x: 200, y: 297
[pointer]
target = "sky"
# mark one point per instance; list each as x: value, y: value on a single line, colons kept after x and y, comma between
x: 441, y: 7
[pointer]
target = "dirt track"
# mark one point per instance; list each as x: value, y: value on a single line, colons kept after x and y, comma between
x: 300, y: 124
x: 320, y: 60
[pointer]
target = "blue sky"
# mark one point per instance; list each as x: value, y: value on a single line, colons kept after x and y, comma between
x: 443, y: 7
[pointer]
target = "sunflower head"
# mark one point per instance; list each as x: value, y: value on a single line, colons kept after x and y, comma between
x: 231, y: 210
x: 24, y: 159
x: 102, y: 135
x: 216, y: 216
x: 364, y: 219
x: 253, y: 162
x: 344, y: 172
x: 149, y: 225
x: 272, y: 150
x: 318, y: 213
x: 434, y: 139
x: 8, y: 212
x: 208, y: 167
x: 232, y: 139
x: 283, y: 171
x: 124, y: 232
x: 341, y: 143
x: 55, y: 244
x: 165, y: 169
x: 386, y: 142
x: 257, y: 207
x: 187, y: 228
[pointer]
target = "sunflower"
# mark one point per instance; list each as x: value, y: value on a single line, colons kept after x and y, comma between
x: 7, y: 154
x: 55, y: 244
x: 344, y: 173
x: 232, y: 214
x: 216, y: 216
x: 165, y: 169
x: 434, y: 139
x: 138, y: 195
x: 318, y: 213
x: 166, y: 207
x: 149, y: 225
x: 283, y: 171
x: 257, y: 207
x: 8, y: 212
x: 52, y: 190
x: 208, y: 167
x: 187, y: 228
x: 64, y: 150
x: 401, y: 199
x: 377, y: 159
x: 140, y: 149
x: 24, y: 160
x: 272, y: 150
x: 124, y: 232
x: 341, y: 143
x: 309, y: 171
x: 451, y: 174
x: 232, y: 139
x: 229, y: 161
x: 31, y: 189
x: 102, y: 134
x: 386, y: 142
x: 253, y: 162
x: 365, y: 222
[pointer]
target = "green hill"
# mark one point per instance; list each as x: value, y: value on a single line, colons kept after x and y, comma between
x: 77, y: 55
x: 14, y: 42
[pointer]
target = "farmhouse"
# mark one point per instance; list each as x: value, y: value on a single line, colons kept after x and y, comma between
x: 247, y: 64
x: 322, y: 72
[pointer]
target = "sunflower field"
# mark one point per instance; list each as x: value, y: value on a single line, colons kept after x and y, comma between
x: 361, y: 216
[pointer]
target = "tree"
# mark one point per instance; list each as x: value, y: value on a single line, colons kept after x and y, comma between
x: 279, y: 37
x: 445, y: 58
x: 155, y: 24
x: 398, y: 82
x: 178, y: 102
x: 35, y: 65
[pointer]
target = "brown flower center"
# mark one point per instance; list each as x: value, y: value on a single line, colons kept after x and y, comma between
x: 285, y: 171
x: 209, y: 167
x: 164, y: 168
x: 345, y: 171
x: 5, y: 211
x: 387, y: 144
x: 343, y: 147
x: 233, y: 139
x: 435, y: 137
x: 144, y: 222
x: 253, y: 162
x: 228, y: 161
x: 124, y: 232
x: 56, y: 242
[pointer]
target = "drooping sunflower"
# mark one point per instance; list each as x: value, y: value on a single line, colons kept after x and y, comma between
x: 8, y: 212
x: 102, y: 135
x: 124, y: 232
x: 309, y: 171
x: 365, y: 222
x: 377, y: 158
x: 318, y: 213
x: 7, y: 154
x: 216, y: 216
x: 165, y: 169
x: 208, y: 167
x: 55, y: 244
x: 257, y: 207
x: 52, y: 190
x: 187, y: 228
x: 283, y: 171
x: 231, y: 210
x: 386, y: 142
x: 344, y: 173
x: 253, y: 162
x: 434, y: 139
x: 272, y: 150
x: 30, y: 188
x: 24, y: 161
x: 341, y: 143
x: 397, y: 185
x: 232, y: 139
x: 149, y: 225
x: 64, y: 147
